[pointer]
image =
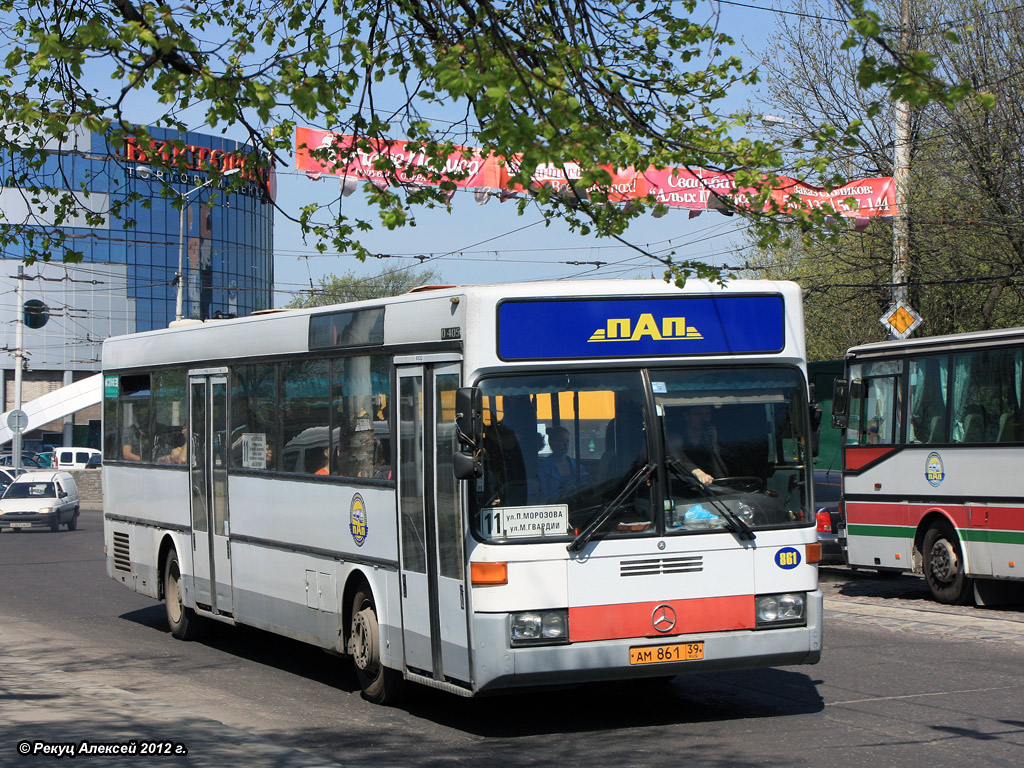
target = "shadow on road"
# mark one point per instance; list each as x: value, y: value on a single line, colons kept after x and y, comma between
x: 588, y: 707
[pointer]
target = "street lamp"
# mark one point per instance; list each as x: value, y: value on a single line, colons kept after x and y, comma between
x: 774, y: 121
x: 178, y: 314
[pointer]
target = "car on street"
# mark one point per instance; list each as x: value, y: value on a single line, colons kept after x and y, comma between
x: 8, y: 475
x: 42, y: 499
x: 29, y: 460
x: 828, y: 513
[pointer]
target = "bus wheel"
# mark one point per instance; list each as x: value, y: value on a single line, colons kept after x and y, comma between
x: 184, y: 622
x: 944, y: 566
x: 380, y: 684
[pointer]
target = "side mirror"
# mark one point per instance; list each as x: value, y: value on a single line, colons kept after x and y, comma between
x: 468, y: 416
x: 466, y: 465
x: 840, y: 403
x: 469, y: 426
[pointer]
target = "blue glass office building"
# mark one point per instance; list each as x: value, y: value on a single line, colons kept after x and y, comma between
x: 126, y: 279
x: 226, y: 251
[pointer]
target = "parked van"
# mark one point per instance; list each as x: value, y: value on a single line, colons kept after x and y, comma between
x: 75, y: 458
x: 43, y: 499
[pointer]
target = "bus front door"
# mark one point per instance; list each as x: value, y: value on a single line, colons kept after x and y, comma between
x: 434, y: 621
x: 208, y: 479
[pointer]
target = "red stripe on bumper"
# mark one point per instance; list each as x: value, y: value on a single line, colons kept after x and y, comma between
x: 706, y: 614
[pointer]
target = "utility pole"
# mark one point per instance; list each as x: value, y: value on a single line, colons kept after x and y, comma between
x: 19, y: 364
x: 901, y: 177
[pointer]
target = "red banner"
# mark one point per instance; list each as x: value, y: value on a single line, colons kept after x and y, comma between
x: 696, y: 190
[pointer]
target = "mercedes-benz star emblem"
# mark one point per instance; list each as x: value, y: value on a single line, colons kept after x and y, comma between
x: 664, y: 618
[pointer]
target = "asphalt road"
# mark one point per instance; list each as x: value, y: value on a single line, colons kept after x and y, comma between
x: 902, y: 682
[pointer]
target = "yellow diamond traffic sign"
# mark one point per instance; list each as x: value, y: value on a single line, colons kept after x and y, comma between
x: 901, y: 319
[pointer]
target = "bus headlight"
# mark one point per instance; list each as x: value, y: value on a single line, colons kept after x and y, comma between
x: 786, y: 609
x: 539, y: 627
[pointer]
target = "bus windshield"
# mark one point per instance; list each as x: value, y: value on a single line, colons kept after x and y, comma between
x: 560, y: 449
x: 735, y: 443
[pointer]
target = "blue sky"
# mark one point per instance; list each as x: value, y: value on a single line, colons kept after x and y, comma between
x: 491, y: 243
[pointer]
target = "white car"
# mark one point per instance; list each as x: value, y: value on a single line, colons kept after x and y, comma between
x: 8, y: 476
x: 40, y: 500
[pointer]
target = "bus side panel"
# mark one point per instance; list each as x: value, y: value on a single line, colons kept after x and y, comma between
x: 877, y: 536
x: 879, y: 532
x: 151, y: 501
x: 920, y: 481
x: 291, y: 562
x: 1006, y: 540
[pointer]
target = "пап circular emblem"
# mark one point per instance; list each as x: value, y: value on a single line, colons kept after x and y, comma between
x: 357, y: 520
x: 934, y: 472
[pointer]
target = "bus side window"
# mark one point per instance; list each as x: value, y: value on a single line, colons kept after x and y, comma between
x: 877, y: 417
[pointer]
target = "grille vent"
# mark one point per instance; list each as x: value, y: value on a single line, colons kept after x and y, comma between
x: 122, y: 556
x: 656, y: 566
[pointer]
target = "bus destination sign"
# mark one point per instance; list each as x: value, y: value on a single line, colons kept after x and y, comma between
x: 640, y: 327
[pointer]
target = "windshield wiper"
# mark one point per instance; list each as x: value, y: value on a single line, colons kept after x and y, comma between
x: 737, y: 523
x: 588, y: 533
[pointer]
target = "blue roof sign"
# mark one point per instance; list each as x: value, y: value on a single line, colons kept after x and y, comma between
x: 546, y: 329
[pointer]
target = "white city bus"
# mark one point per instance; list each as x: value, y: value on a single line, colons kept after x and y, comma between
x: 481, y: 487
x: 933, y: 457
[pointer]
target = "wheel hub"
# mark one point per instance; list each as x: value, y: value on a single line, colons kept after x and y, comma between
x: 944, y: 563
x: 361, y: 645
x: 174, y: 591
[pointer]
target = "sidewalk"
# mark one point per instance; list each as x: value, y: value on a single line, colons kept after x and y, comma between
x: 903, y: 603
x: 49, y: 714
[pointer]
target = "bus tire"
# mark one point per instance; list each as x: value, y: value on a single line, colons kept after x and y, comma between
x: 185, y: 624
x: 380, y: 684
x: 943, y: 563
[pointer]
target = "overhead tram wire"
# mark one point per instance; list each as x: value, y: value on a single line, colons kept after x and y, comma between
x: 781, y: 12
x: 938, y: 25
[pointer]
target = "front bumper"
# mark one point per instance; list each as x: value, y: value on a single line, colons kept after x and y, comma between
x: 28, y: 520
x: 498, y: 666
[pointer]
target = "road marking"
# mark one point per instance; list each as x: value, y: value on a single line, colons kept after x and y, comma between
x: 919, y: 695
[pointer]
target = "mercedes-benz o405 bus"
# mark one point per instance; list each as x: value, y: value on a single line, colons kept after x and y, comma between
x: 478, y: 488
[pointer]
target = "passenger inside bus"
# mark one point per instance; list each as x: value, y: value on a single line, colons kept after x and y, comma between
x: 324, y: 461
x: 132, y: 445
x: 559, y: 474
x: 179, y: 452
x: 505, y: 472
x: 611, y: 460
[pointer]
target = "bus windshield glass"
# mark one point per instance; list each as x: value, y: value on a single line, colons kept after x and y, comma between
x: 735, y: 444
x: 563, y: 450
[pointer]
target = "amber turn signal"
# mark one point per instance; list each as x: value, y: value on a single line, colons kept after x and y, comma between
x: 488, y: 574
x: 814, y: 553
